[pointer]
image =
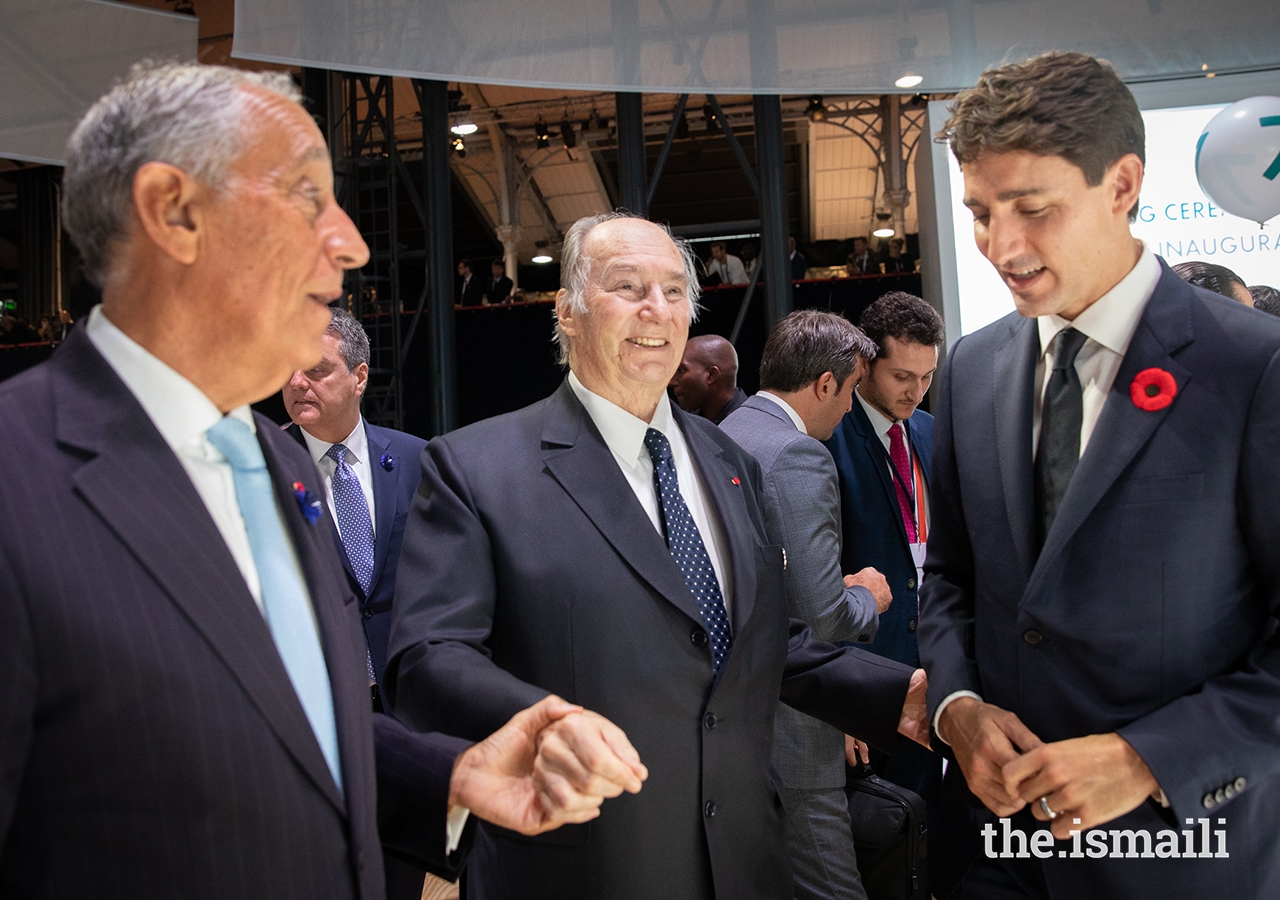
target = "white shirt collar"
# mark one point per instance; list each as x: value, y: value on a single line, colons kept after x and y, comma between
x: 1112, y: 319
x: 181, y: 412
x: 786, y: 408
x: 880, y: 423
x: 357, y: 444
x: 623, y: 433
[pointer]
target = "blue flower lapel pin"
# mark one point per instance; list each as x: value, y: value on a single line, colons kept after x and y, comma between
x: 307, y: 502
x: 388, y: 461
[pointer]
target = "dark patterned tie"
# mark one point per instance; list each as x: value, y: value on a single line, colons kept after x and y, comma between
x: 354, y: 525
x: 1061, y: 416
x: 687, y: 548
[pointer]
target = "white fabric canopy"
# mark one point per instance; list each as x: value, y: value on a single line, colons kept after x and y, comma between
x: 58, y: 56
x: 750, y: 46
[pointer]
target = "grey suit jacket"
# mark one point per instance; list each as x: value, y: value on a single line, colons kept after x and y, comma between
x: 801, y: 502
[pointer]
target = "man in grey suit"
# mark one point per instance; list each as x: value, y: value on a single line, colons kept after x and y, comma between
x: 807, y: 376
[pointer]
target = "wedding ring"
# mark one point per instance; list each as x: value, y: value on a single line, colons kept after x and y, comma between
x: 1044, y: 808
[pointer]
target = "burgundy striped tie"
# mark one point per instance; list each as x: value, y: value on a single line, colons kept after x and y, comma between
x: 898, y: 453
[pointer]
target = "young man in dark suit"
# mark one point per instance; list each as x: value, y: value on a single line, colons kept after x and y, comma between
x: 882, y: 451
x: 500, y: 286
x: 1098, y: 614
x: 184, y: 709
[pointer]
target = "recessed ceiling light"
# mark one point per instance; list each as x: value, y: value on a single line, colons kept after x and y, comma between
x: 884, y: 232
x: 909, y: 81
x: 465, y: 128
x: 542, y: 258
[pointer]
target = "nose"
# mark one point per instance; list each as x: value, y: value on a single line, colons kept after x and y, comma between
x: 297, y: 382
x: 1003, y: 242
x: 343, y: 244
x: 655, y: 305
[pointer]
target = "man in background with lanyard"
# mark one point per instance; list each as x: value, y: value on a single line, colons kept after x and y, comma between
x: 882, y: 450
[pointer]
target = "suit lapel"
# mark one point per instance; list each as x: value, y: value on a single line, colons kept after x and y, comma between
x: 921, y: 448
x: 718, y: 478
x: 577, y: 457
x: 1013, y: 383
x: 330, y: 525
x: 879, y: 460
x: 140, y: 490
x: 1123, y: 429
x: 384, y: 500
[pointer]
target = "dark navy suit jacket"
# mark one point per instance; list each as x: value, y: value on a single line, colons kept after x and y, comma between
x: 1150, y: 610
x: 530, y: 567
x: 395, y: 468
x: 872, y: 521
x: 151, y: 743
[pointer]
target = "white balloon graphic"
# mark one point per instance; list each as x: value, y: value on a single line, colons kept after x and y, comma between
x: 1238, y: 159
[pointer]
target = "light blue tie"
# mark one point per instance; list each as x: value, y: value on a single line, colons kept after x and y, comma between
x: 284, y: 596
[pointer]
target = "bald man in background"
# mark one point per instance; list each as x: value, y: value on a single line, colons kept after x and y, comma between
x: 706, y: 384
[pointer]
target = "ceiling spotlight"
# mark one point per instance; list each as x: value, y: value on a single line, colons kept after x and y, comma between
x: 459, y: 147
x: 542, y: 258
x: 816, y: 110
x: 568, y: 135
x: 909, y: 81
x: 709, y: 115
x: 885, y: 230
x: 464, y: 128
x: 543, y: 134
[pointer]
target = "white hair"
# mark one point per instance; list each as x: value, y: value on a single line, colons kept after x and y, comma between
x: 183, y: 114
x: 575, y: 270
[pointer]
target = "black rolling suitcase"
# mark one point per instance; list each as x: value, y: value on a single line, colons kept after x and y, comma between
x: 890, y: 832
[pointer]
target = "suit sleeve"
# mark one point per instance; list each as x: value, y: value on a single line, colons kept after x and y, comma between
x: 414, y: 771
x: 946, y: 597
x: 1229, y: 729
x: 17, y: 693
x: 803, y: 487
x: 440, y: 675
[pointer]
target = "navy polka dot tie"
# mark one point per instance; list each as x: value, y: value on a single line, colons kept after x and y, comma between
x: 354, y: 525
x: 687, y: 549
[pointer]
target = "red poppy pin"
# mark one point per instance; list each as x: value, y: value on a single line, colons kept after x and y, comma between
x: 1153, y: 389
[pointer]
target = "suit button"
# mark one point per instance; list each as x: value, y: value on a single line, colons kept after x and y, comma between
x: 1032, y: 637
x: 1239, y: 784
x: 911, y: 583
x: 709, y: 809
x: 911, y: 625
x: 1207, y: 802
x: 1229, y: 791
x: 709, y: 721
x: 699, y: 637
x: 368, y: 613
x: 1219, y: 795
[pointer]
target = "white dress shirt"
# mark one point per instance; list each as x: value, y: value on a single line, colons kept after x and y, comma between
x: 357, y: 444
x: 880, y: 424
x: 731, y: 270
x: 786, y: 408
x: 623, y: 433
x: 182, y: 414
x: 1108, y: 324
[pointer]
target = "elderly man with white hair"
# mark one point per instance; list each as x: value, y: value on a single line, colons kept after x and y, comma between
x: 607, y: 547
x: 184, y: 699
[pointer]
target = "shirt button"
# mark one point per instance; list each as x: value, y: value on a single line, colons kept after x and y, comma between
x: 1032, y: 637
x: 709, y: 809
x: 699, y: 637
x: 911, y: 625
x: 709, y: 721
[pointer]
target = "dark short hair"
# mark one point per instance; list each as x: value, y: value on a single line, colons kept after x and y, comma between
x: 498, y: 262
x: 807, y: 343
x: 719, y: 244
x: 466, y: 262
x: 1211, y: 277
x: 903, y: 317
x: 1057, y: 104
x: 1265, y: 298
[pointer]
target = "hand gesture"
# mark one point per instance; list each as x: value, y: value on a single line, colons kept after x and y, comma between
x: 985, y: 738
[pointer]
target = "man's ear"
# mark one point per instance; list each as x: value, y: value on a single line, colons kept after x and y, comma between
x: 167, y: 203
x: 564, y: 314
x: 362, y: 378
x: 1126, y: 178
x: 713, y: 375
x: 825, y: 385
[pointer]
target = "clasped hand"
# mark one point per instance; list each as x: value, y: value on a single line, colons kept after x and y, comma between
x: 553, y: 764
x: 1093, y: 779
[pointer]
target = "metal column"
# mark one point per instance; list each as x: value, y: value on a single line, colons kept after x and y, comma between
x: 433, y: 96
x: 773, y: 208
x: 632, y: 169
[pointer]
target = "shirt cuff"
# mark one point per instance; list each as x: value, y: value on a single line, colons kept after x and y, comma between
x: 1160, y: 798
x: 453, y: 825
x: 937, y: 715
